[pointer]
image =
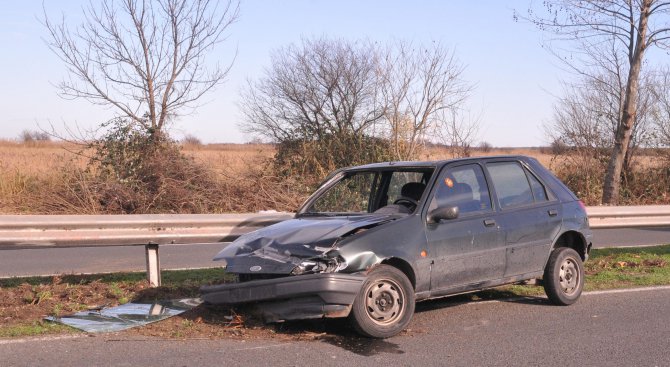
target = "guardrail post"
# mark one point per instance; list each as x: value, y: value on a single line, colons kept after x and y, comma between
x: 153, y: 265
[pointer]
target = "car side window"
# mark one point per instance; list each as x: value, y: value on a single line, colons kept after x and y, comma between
x: 464, y: 187
x: 511, y: 184
x: 539, y: 192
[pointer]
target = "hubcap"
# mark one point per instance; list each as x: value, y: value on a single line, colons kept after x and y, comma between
x: 569, y: 276
x: 384, y: 301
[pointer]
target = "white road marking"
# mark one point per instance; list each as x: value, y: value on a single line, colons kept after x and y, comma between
x: 41, y: 339
x: 591, y: 293
x: 264, y: 347
x: 628, y: 290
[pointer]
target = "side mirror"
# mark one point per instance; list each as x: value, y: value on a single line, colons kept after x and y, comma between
x: 447, y: 213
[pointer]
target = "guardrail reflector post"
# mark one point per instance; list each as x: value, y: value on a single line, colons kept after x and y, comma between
x: 153, y: 265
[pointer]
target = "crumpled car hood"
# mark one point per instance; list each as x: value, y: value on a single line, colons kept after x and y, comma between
x: 277, y: 249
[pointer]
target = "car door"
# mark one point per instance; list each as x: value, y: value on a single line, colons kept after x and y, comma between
x: 529, y: 213
x: 470, y: 248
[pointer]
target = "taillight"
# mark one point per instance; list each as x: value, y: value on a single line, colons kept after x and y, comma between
x: 581, y: 204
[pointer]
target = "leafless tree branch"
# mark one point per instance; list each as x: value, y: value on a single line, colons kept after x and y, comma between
x: 145, y: 58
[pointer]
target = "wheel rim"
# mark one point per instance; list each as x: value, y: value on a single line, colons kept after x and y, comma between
x: 568, y: 276
x: 384, y: 301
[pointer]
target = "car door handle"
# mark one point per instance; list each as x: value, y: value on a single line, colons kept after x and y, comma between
x: 552, y: 212
x: 489, y: 222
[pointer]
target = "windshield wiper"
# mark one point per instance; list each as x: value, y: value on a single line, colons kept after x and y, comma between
x: 315, y: 214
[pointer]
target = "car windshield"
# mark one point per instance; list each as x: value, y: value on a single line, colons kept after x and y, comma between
x: 368, y: 191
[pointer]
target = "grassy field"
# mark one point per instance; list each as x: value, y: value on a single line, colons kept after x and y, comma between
x: 33, y: 172
x: 43, y: 158
x: 25, y: 301
x: 48, y: 178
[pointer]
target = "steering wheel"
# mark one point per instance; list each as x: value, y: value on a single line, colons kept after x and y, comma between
x: 405, y: 201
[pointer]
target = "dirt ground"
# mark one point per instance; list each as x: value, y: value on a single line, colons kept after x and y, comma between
x: 26, y: 305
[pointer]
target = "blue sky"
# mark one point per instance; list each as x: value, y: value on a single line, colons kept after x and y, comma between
x: 516, y: 80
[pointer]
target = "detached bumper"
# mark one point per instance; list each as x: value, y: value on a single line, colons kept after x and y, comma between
x: 292, y: 297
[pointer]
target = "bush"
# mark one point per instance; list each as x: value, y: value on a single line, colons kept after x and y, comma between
x: 583, y: 173
x: 29, y: 136
x: 192, y: 140
x: 558, y: 147
x: 312, y: 160
x: 485, y: 147
x: 139, y: 171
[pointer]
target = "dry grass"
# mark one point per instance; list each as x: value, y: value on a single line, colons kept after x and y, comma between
x: 38, y: 158
x: 42, y: 158
x: 31, y: 171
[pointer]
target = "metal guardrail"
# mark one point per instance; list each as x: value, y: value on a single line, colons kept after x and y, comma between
x: 629, y: 216
x: 151, y: 231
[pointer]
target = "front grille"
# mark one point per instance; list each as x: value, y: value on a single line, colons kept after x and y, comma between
x: 249, y: 277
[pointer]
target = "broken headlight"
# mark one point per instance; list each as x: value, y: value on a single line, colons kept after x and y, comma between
x: 329, y: 263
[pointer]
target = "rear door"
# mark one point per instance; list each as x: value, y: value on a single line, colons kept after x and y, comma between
x: 469, y: 249
x: 530, y: 215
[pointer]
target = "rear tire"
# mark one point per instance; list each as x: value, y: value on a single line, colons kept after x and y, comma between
x: 385, y: 304
x: 564, y: 276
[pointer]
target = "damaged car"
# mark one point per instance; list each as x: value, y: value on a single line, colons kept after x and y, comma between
x: 374, y: 239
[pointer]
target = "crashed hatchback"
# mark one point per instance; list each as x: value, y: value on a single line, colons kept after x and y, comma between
x: 374, y: 239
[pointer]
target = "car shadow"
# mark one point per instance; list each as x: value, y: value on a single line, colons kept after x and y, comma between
x: 339, y: 333
x: 481, y: 296
x: 336, y: 332
x: 241, y: 321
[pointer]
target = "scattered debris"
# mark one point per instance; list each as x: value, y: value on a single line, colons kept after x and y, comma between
x: 125, y: 316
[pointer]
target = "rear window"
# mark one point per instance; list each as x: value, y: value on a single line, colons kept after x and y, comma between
x: 539, y: 192
x: 511, y: 184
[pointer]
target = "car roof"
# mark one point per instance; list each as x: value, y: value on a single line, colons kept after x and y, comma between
x: 430, y: 164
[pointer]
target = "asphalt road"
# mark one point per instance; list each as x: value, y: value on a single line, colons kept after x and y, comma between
x: 112, y: 259
x: 103, y: 259
x: 621, y: 237
x: 630, y: 328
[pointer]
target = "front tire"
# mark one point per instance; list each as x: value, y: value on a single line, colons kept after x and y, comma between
x: 385, y: 304
x: 564, y: 276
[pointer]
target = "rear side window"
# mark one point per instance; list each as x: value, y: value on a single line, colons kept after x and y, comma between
x: 539, y: 192
x: 511, y: 184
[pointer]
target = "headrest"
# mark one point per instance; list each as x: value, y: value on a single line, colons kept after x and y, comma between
x: 413, y: 190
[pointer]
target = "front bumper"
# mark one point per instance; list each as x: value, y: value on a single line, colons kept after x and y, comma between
x: 292, y: 297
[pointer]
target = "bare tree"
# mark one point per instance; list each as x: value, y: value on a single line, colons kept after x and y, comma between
x: 632, y: 27
x: 337, y: 103
x: 321, y: 101
x: 458, y: 129
x: 419, y: 84
x: 661, y: 110
x: 587, y: 115
x: 321, y: 87
x: 144, y: 58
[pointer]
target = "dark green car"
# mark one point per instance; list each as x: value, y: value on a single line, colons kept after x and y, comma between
x: 374, y: 239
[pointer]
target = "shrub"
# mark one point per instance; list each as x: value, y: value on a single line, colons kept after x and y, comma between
x: 192, y: 140
x: 485, y: 147
x: 139, y: 171
x: 312, y: 160
x: 583, y: 173
x: 29, y: 136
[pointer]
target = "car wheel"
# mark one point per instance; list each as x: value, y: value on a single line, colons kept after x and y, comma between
x: 564, y: 276
x: 385, y: 304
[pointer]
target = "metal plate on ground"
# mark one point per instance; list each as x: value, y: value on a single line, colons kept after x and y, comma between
x: 126, y: 316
